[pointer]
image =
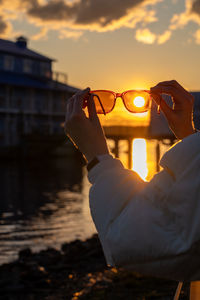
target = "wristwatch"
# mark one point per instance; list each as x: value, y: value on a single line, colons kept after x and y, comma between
x: 92, y: 163
x: 97, y: 159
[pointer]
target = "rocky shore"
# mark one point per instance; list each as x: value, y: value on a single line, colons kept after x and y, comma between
x: 76, y: 272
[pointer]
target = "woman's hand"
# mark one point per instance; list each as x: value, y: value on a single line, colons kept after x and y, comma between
x: 180, y: 116
x: 86, y: 133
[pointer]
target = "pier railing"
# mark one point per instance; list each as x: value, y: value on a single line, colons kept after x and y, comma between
x: 128, y: 133
x: 60, y: 77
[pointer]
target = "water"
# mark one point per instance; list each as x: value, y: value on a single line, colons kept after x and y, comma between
x: 43, y: 203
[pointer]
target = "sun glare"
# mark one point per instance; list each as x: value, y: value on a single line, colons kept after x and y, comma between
x: 139, y: 101
x: 140, y: 157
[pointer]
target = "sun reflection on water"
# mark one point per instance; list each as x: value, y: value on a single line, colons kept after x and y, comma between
x: 139, y: 157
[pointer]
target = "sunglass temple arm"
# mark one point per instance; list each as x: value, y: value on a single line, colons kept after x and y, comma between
x: 100, y: 103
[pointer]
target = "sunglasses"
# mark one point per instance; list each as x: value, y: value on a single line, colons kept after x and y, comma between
x: 135, y: 101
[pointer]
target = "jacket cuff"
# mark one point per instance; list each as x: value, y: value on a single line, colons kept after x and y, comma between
x: 105, y: 162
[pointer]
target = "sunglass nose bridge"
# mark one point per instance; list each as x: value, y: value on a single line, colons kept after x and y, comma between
x: 118, y: 95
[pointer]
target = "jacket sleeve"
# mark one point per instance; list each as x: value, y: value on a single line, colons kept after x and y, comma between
x: 141, y: 222
x: 123, y: 206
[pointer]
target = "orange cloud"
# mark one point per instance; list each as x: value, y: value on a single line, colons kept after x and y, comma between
x: 148, y: 37
x: 70, y: 34
x: 145, y: 36
x: 71, y: 18
x: 42, y: 34
x: 5, y: 27
x: 163, y: 38
x: 77, y: 15
x: 191, y: 13
x: 197, y: 36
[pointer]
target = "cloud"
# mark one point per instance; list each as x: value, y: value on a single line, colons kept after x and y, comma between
x: 5, y: 27
x: 145, y: 36
x: 93, y: 15
x: 68, y: 16
x: 163, y: 38
x: 191, y: 14
x: 71, y: 18
x: 42, y: 34
x: 51, y: 11
x: 83, y: 12
x: 197, y: 36
x: 104, y: 12
x: 195, y: 7
x: 70, y: 34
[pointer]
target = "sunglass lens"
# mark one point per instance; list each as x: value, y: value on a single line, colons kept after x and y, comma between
x: 137, y: 101
x: 104, y: 101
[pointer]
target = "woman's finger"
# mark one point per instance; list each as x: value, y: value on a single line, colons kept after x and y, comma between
x: 174, y: 84
x: 180, y: 98
x: 69, y: 107
x: 79, y: 99
x: 167, y: 110
x: 156, y: 98
x: 92, y: 108
x: 170, y: 90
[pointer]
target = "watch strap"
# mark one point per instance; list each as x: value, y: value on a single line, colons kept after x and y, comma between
x: 92, y: 163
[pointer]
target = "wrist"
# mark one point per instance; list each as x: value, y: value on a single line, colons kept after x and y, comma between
x: 92, y: 163
x: 91, y: 156
x: 187, y: 133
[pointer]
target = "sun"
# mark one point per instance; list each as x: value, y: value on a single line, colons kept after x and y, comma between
x: 139, y: 101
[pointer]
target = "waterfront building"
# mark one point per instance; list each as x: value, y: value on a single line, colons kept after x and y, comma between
x: 32, y: 99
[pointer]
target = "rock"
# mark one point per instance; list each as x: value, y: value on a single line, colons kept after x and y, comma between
x: 25, y: 253
x: 78, y: 269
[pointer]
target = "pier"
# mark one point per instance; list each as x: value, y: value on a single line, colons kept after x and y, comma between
x: 157, y: 130
x: 128, y: 133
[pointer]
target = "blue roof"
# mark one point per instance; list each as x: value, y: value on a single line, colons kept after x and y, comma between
x: 23, y: 80
x: 14, y: 49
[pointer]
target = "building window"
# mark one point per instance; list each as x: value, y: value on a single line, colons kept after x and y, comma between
x: 2, y: 123
x: 46, y: 102
x: 1, y: 62
x: 2, y: 102
x: 17, y: 98
x: 57, y: 102
x: 45, y: 69
x: 27, y: 66
x: 8, y: 63
x: 2, y: 97
x: 57, y: 128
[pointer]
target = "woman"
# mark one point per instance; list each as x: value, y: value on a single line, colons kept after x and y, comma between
x: 153, y: 227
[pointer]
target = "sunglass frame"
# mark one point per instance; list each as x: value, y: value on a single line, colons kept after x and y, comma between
x: 121, y: 95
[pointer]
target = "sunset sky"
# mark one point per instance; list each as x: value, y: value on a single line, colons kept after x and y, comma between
x: 111, y: 44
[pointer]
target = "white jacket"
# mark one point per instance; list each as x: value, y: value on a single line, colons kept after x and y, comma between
x: 151, y: 227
